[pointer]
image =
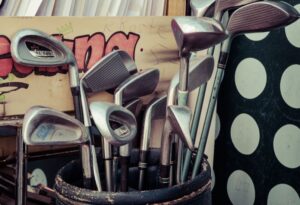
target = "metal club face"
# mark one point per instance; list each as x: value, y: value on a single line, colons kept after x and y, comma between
x: 194, y: 34
x: 109, y: 72
x: 261, y: 16
x: 137, y: 85
x: 156, y: 110
x: 35, y: 48
x: 223, y: 5
x: 201, y: 69
x: 106, y: 115
x: 46, y: 126
x: 179, y: 117
x: 202, y: 7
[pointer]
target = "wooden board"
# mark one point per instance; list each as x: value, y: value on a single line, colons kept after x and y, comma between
x: 176, y: 7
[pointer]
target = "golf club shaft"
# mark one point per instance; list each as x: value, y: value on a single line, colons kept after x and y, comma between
x: 182, y: 101
x: 197, y: 115
x: 225, y: 47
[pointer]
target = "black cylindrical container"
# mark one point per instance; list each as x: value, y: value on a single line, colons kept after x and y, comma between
x: 197, y: 191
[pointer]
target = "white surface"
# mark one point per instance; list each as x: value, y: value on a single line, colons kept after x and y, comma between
x: 292, y: 31
x: 283, y: 194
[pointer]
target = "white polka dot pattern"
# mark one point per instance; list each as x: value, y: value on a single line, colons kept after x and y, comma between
x: 290, y: 86
x: 292, y: 31
x: 283, y: 194
x: 287, y: 146
x: 250, y: 78
x: 240, y: 188
x: 257, y: 36
x: 245, y: 134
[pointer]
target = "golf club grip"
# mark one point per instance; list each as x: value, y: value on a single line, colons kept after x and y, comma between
x: 164, y: 176
x: 77, y: 106
x: 142, y: 167
x: 124, y: 162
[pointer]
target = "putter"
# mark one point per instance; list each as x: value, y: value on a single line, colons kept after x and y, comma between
x: 255, y: 17
x: 103, y: 113
x: 106, y: 74
x: 200, y: 72
x: 188, y: 33
x: 137, y: 85
x: 44, y: 126
x: 156, y: 110
x: 221, y: 6
x: 34, y: 48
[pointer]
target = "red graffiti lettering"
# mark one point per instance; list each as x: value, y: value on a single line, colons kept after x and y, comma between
x: 121, y: 41
x: 89, y: 50
x: 6, y: 64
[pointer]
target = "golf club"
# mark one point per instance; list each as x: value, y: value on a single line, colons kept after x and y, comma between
x: 107, y: 73
x: 255, y: 17
x: 34, y: 48
x: 202, y: 8
x: 44, y: 126
x: 103, y: 113
x: 137, y: 85
x: 200, y: 72
x: 155, y: 110
x: 220, y: 8
x: 192, y: 34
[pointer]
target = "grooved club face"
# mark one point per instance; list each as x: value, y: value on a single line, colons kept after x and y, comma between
x: 222, y: 5
x: 109, y: 72
x: 34, y: 48
x: 261, y: 16
x: 194, y: 34
x: 46, y: 126
x: 137, y: 85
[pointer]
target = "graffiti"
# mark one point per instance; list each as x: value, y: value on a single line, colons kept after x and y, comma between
x: 88, y: 49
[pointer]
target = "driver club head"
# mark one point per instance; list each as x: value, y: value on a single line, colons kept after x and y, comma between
x: 180, y: 118
x: 137, y: 85
x: 261, y: 16
x: 201, y: 69
x: 202, y: 8
x: 105, y: 113
x: 109, y: 72
x: 46, y: 126
x: 194, y: 33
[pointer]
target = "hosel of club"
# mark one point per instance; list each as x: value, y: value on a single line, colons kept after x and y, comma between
x: 182, y: 98
x: 164, y: 171
x: 75, y: 89
x: 88, y: 151
x: 197, y: 112
x: 212, y: 104
x: 107, y: 157
x: 144, y: 150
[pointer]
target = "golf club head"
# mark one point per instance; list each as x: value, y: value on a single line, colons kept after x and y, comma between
x: 137, y: 85
x: 134, y: 106
x: 31, y: 47
x: 201, y: 69
x: 202, y: 8
x: 261, y: 16
x: 194, y: 33
x: 108, y: 72
x: 156, y: 110
x: 46, y: 126
x: 180, y: 118
x: 105, y: 113
x: 222, y: 5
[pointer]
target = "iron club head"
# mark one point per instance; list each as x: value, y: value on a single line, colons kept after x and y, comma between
x: 202, y: 8
x: 137, y: 85
x: 261, y: 16
x: 104, y: 113
x: 180, y: 117
x: 46, y: 126
x: 31, y: 47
